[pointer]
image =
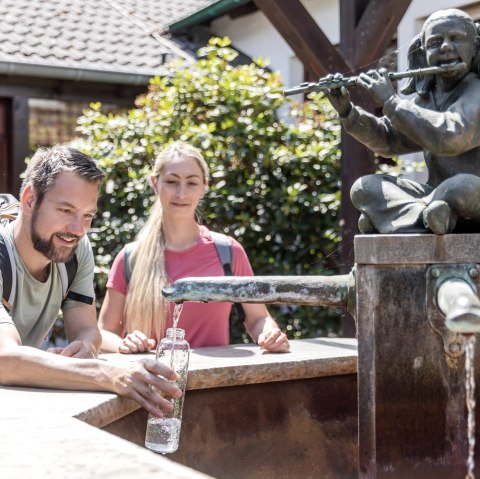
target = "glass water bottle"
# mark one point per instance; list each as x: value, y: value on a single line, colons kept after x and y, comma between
x: 163, y: 434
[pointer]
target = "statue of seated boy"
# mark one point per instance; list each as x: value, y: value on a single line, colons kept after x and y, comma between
x: 442, y: 120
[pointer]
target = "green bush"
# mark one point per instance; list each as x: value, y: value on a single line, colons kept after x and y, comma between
x: 274, y: 183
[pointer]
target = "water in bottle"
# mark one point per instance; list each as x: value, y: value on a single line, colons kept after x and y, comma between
x: 163, y: 434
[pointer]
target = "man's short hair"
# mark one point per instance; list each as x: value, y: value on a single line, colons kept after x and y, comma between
x: 47, y: 163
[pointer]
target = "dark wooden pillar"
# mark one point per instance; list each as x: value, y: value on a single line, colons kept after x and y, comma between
x: 20, y: 143
x: 5, y: 166
x: 13, y: 142
x: 356, y: 159
x: 366, y: 30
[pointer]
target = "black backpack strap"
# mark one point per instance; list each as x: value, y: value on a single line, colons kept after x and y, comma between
x: 67, y: 273
x: 9, y: 207
x: 71, y: 268
x: 8, y: 269
x: 224, y: 251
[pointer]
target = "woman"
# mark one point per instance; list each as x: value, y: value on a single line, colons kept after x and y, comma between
x: 172, y: 245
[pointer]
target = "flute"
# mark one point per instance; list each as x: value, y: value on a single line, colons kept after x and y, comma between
x: 329, y: 83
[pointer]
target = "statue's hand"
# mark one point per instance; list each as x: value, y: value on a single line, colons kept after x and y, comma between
x: 338, y: 97
x: 378, y: 84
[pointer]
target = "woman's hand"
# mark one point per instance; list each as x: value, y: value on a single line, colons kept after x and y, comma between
x: 136, y: 342
x: 274, y: 341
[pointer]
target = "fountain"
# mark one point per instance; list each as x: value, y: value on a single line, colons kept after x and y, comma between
x: 414, y: 298
x: 414, y: 294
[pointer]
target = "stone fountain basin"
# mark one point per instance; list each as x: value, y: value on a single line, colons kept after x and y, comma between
x: 246, y: 415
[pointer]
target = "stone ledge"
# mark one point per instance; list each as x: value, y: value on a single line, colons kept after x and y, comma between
x: 417, y: 249
x: 41, y: 437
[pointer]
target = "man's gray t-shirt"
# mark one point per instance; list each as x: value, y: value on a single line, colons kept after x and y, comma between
x: 36, y: 305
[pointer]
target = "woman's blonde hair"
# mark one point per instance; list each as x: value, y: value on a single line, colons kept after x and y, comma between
x: 145, y: 308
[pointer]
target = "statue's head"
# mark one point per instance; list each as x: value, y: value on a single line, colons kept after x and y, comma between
x: 447, y: 36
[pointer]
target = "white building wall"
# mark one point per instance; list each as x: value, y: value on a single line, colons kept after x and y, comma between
x: 255, y: 36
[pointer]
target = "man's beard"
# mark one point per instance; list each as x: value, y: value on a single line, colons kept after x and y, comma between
x: 56, y: 254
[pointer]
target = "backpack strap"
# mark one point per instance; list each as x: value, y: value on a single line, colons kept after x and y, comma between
x: 68, y: 271
x: 9, y: 274
x: 225, y: 253
x: 9, y: 207
x: 127, y: 267
x: 8, y: 269
x: 223, y: 246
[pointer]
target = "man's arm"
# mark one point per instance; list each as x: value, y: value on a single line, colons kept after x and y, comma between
x: 141, y: 380
x: 82, y: 333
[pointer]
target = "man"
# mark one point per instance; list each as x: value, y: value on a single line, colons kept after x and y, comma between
x: 58, y: 200
x: 442, y: 121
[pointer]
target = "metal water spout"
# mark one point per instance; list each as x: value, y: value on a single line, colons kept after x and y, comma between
x: 458, y: 301
x: 452, y: 304
x: 329, y: 291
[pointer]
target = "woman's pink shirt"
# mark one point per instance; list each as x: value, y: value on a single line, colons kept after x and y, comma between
x: 205, y: 324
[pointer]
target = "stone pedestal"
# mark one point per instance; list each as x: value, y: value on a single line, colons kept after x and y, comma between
x: 412, y: 413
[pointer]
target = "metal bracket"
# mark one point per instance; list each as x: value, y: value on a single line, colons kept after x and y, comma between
x: 453, y: 343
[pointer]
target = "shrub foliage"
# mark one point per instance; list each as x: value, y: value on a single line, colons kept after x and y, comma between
x: 274, y: 182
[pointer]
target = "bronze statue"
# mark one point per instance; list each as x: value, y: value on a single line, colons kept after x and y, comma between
x: 442, y: 120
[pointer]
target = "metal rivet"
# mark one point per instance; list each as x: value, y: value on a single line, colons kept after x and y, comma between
x: 473, y: 272
x: 454, y: 348
x: 435, y: 272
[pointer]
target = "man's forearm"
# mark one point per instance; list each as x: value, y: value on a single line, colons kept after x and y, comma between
x: 26, y: 366
x: 145, y: 381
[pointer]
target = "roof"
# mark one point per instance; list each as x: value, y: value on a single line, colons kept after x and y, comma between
x: 124, y: 41
x: 209, y: 12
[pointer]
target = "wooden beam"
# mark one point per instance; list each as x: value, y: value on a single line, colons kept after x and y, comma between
x: 64, y: 90
x: 376, y: 28
x: 19, y: 135
x: 304, y: 36
x: 350, y: 13
x: 5, y: 147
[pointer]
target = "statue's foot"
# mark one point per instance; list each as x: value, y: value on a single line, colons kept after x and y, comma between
x: 439, y: 218
x: 365, y: 225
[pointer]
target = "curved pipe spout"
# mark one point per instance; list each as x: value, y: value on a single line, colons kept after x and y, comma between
x: 303, y: 290
x: 458, y: 301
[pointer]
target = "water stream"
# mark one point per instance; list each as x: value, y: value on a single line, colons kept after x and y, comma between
x: 470, y: 400
x: 177, y: 311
